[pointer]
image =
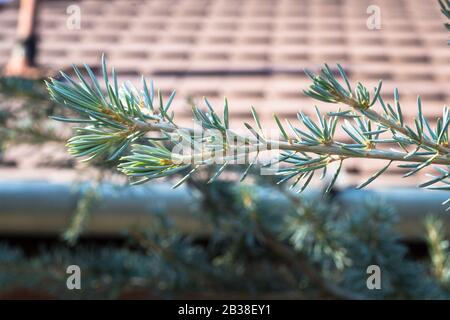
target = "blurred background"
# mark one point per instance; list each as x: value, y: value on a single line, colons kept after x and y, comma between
x: 251, y: 51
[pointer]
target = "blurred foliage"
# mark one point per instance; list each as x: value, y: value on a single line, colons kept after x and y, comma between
x: 24, y: 112
x: 292, y: 249
x: 439, y: 250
